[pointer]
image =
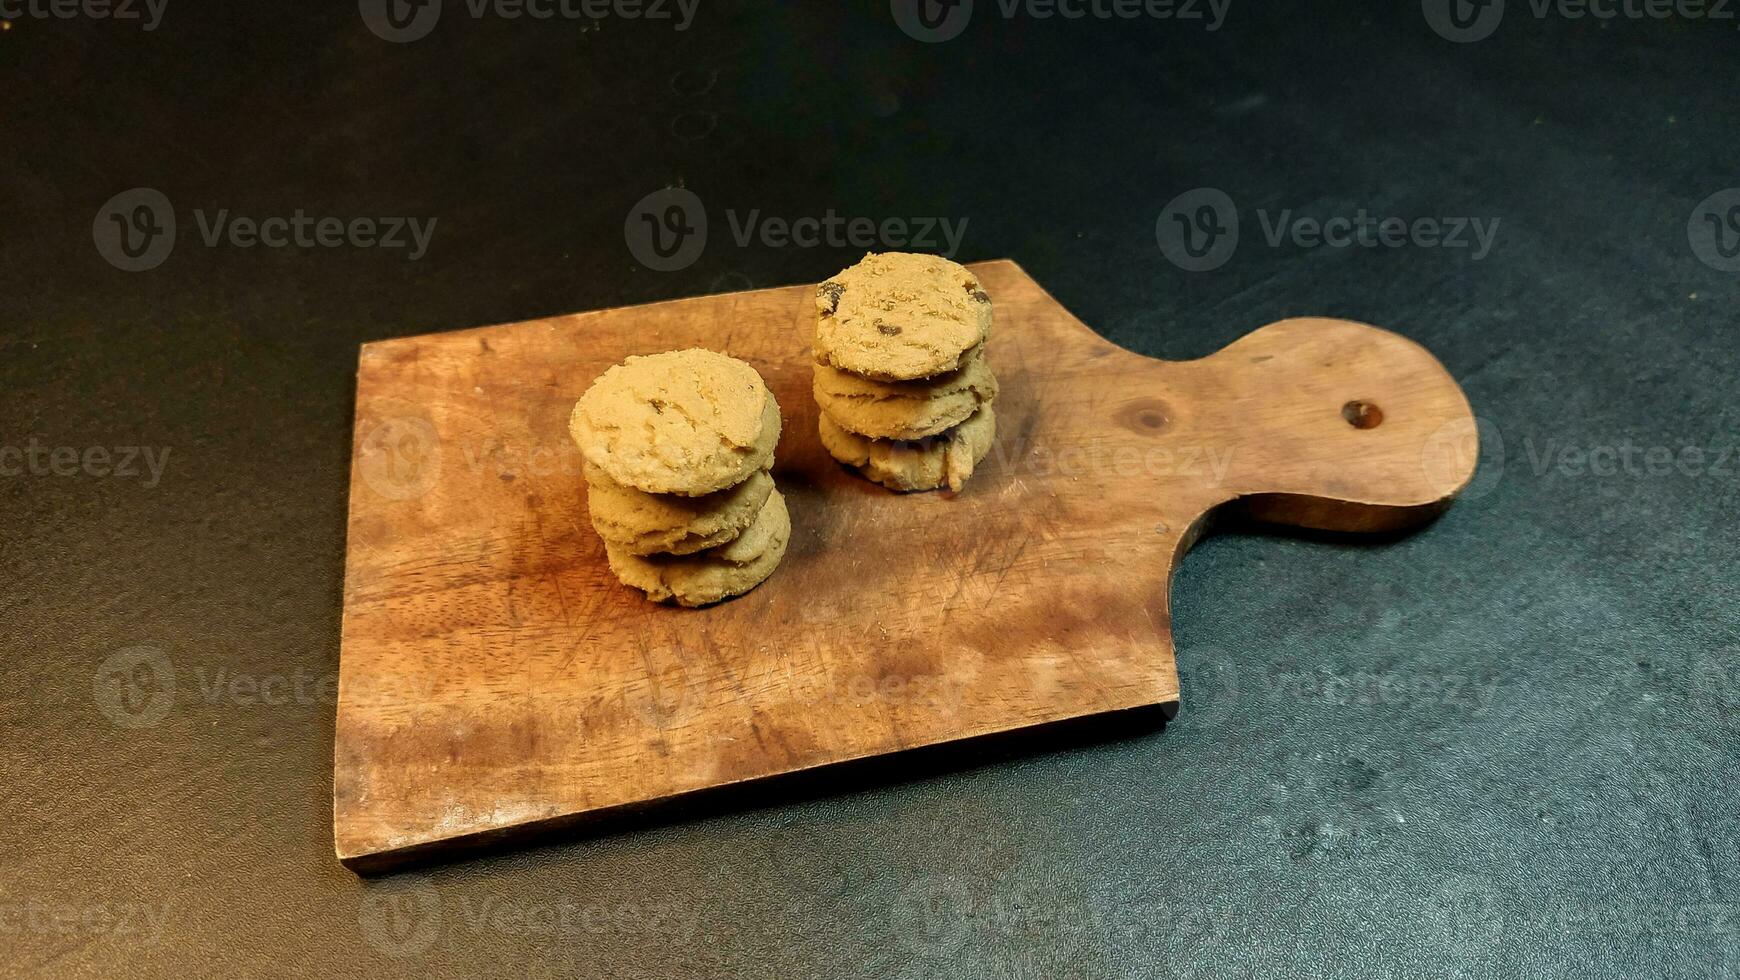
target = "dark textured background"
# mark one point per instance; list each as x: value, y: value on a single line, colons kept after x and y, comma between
x: 1505, y: 746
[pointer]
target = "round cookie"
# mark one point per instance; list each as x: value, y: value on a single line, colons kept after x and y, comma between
x: 905, y: 409
x: 687, y: 422
x: 647, y: 523
x: 944, y: 460
x: 706, y: 577
x: 898, y: 316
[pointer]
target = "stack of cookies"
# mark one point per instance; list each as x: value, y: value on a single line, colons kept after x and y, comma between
x: 677, y: 448
x: 900, y: 373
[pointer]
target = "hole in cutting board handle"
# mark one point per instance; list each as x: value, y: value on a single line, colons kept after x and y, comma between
x: 1362, y: 414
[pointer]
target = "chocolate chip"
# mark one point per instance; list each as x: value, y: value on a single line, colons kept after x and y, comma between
x: 979, y: 294
x: 887, y: 329
x: 828, y: 296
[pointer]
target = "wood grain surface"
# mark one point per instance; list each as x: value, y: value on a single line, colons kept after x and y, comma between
x: 495, y: 678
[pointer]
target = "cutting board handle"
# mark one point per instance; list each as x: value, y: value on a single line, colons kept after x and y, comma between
x: 1320, y: 423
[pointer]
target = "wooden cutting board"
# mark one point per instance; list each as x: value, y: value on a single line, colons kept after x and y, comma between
x: 495, y: 679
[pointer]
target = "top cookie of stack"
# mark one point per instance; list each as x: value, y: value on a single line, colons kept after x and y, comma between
x: 677, y: 449
x: 900, y: 372
x: 685, y: 422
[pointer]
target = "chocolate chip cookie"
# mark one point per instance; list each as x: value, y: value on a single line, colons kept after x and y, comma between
x: 899, y: 316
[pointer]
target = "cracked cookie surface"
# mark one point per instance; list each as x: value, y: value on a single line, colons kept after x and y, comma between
x: 686, y: 422
x: 706, y: 577
x: 899, y: 316
x: 905, y: 409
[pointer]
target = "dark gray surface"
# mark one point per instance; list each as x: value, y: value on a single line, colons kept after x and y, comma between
x: 1505, y: 746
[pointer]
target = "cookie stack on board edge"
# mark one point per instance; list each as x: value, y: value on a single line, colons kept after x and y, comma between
x: 677, y: 448
x: 900, y: 374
